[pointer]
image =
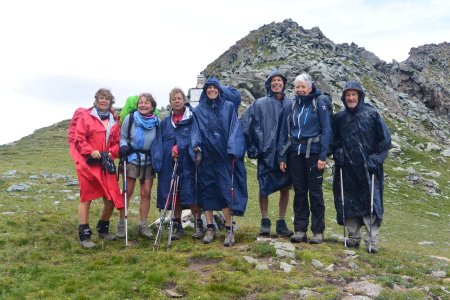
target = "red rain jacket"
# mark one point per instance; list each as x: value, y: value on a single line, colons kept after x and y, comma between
x: 86, y: 134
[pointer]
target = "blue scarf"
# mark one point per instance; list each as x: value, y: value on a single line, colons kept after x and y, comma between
x: 102, y: 115
x: 142, y: 122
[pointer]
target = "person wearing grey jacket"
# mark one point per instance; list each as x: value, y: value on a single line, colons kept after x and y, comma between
x: 135, y: 145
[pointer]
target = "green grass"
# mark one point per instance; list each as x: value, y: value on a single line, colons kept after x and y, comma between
x: 40, y: 256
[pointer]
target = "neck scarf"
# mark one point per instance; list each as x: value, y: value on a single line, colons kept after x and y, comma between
x: 102, y: 115
x: 143, y: 122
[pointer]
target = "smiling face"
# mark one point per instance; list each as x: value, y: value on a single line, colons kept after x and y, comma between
x: 277, y: 84
x: 144, y: 106
x: 102, y: 103
x: 302, y: 88
x: 351, y: 99
x: 212, y: 92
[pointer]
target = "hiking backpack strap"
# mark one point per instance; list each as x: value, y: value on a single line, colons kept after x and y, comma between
x: 130, y: 124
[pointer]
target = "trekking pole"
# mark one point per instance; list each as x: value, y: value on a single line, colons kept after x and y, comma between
x: 125, y: 196
x: 233, y: 161
x: 157, y: 243
x: 343, y: 205
x: 371, y: 213
x: 198, y: 157
x: 172, y: 212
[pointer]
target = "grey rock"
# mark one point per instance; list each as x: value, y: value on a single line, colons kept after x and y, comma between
x: 352, y: 265
x: 286, y: 267
x: 365, y: 288
x: 330, y: 268
x: 261, y: 267
x: 21, y: 187
x: 9, y: 173
x: 438, y: 274
x: 250, y: 260
x: 72, y: 183
x: 317, y: 264
x: 283, y: 253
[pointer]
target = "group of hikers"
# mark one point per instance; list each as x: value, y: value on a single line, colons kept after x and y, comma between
x: 198, y: 156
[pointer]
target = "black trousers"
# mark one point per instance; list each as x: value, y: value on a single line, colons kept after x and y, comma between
x: 307, y: 179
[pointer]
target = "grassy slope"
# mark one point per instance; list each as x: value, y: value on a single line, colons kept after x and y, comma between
x: 40, y: 256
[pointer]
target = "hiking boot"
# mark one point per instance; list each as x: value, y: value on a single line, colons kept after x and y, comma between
x: 198, y: 234
x: 85, y: 233
x: 87, y: 244
x: 352, y: 243
x: 373, y: 248
x: 144, y: 231
x: 264, y: 230
x: 299, y: 237
x: 120, y: 232
x: 103, y: 231
x: 317, y: 238
x: 282, y: 229
x: 210, y: 234
x: 177, y: 231
x: 229, y: 238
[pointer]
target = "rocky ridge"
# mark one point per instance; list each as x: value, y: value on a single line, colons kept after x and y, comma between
x: 415, y: 91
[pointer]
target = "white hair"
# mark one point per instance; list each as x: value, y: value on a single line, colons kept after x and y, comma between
x: 306, y: 78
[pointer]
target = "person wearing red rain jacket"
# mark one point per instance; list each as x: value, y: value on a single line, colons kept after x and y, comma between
x: 94, y: 136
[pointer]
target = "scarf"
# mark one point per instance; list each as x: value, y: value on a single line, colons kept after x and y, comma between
x: 102, y: 115
x: 143, y: 122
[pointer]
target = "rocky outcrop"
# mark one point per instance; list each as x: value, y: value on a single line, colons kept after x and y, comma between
x: 415, y: 91
x: 425, y: 76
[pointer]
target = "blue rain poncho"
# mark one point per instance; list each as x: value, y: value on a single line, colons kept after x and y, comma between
x: 365, y: 141
x: 167, y: 136
x: 217, y: 132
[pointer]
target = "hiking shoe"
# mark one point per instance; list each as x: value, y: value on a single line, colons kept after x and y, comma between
x: 198, y: 234
x: 264, y: 230
x: 229, y: 238
x: 177, y: 231
x: 210, y: 234
x: 373, y: 248
x: 317, y: 238
x: 120, y: 233
x: 87, y: 244
x: 282, y: 229
x: 144, y: 231
x: 103, y: 231
x: 352, y: 243
x: 299, y: 237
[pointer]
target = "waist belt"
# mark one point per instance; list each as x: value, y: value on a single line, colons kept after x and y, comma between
x: 307, y: 142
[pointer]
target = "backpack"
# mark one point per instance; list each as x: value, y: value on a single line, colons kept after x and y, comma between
x: 326, y: 97
x: 71, y: 133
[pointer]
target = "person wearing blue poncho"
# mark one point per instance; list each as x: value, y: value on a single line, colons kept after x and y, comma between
x: 261, y: 125
x: 173, y: 140
x: 218, y: 138
x: 362, y: 144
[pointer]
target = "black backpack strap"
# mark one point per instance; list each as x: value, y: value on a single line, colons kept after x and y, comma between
x: 130, y: 124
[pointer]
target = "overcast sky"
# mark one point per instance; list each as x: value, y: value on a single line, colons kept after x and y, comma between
x: 55, y: 55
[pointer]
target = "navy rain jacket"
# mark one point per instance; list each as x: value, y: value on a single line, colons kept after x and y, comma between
x: 167, y: 136
x: 217, y: 131
x: 302, y: 121
x: 365, y: 140
x: 261, y: 124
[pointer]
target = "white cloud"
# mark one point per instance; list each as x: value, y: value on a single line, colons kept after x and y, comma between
x: 56, y: 54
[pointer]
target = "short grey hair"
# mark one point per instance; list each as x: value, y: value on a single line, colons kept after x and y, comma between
x: 304, y: 77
